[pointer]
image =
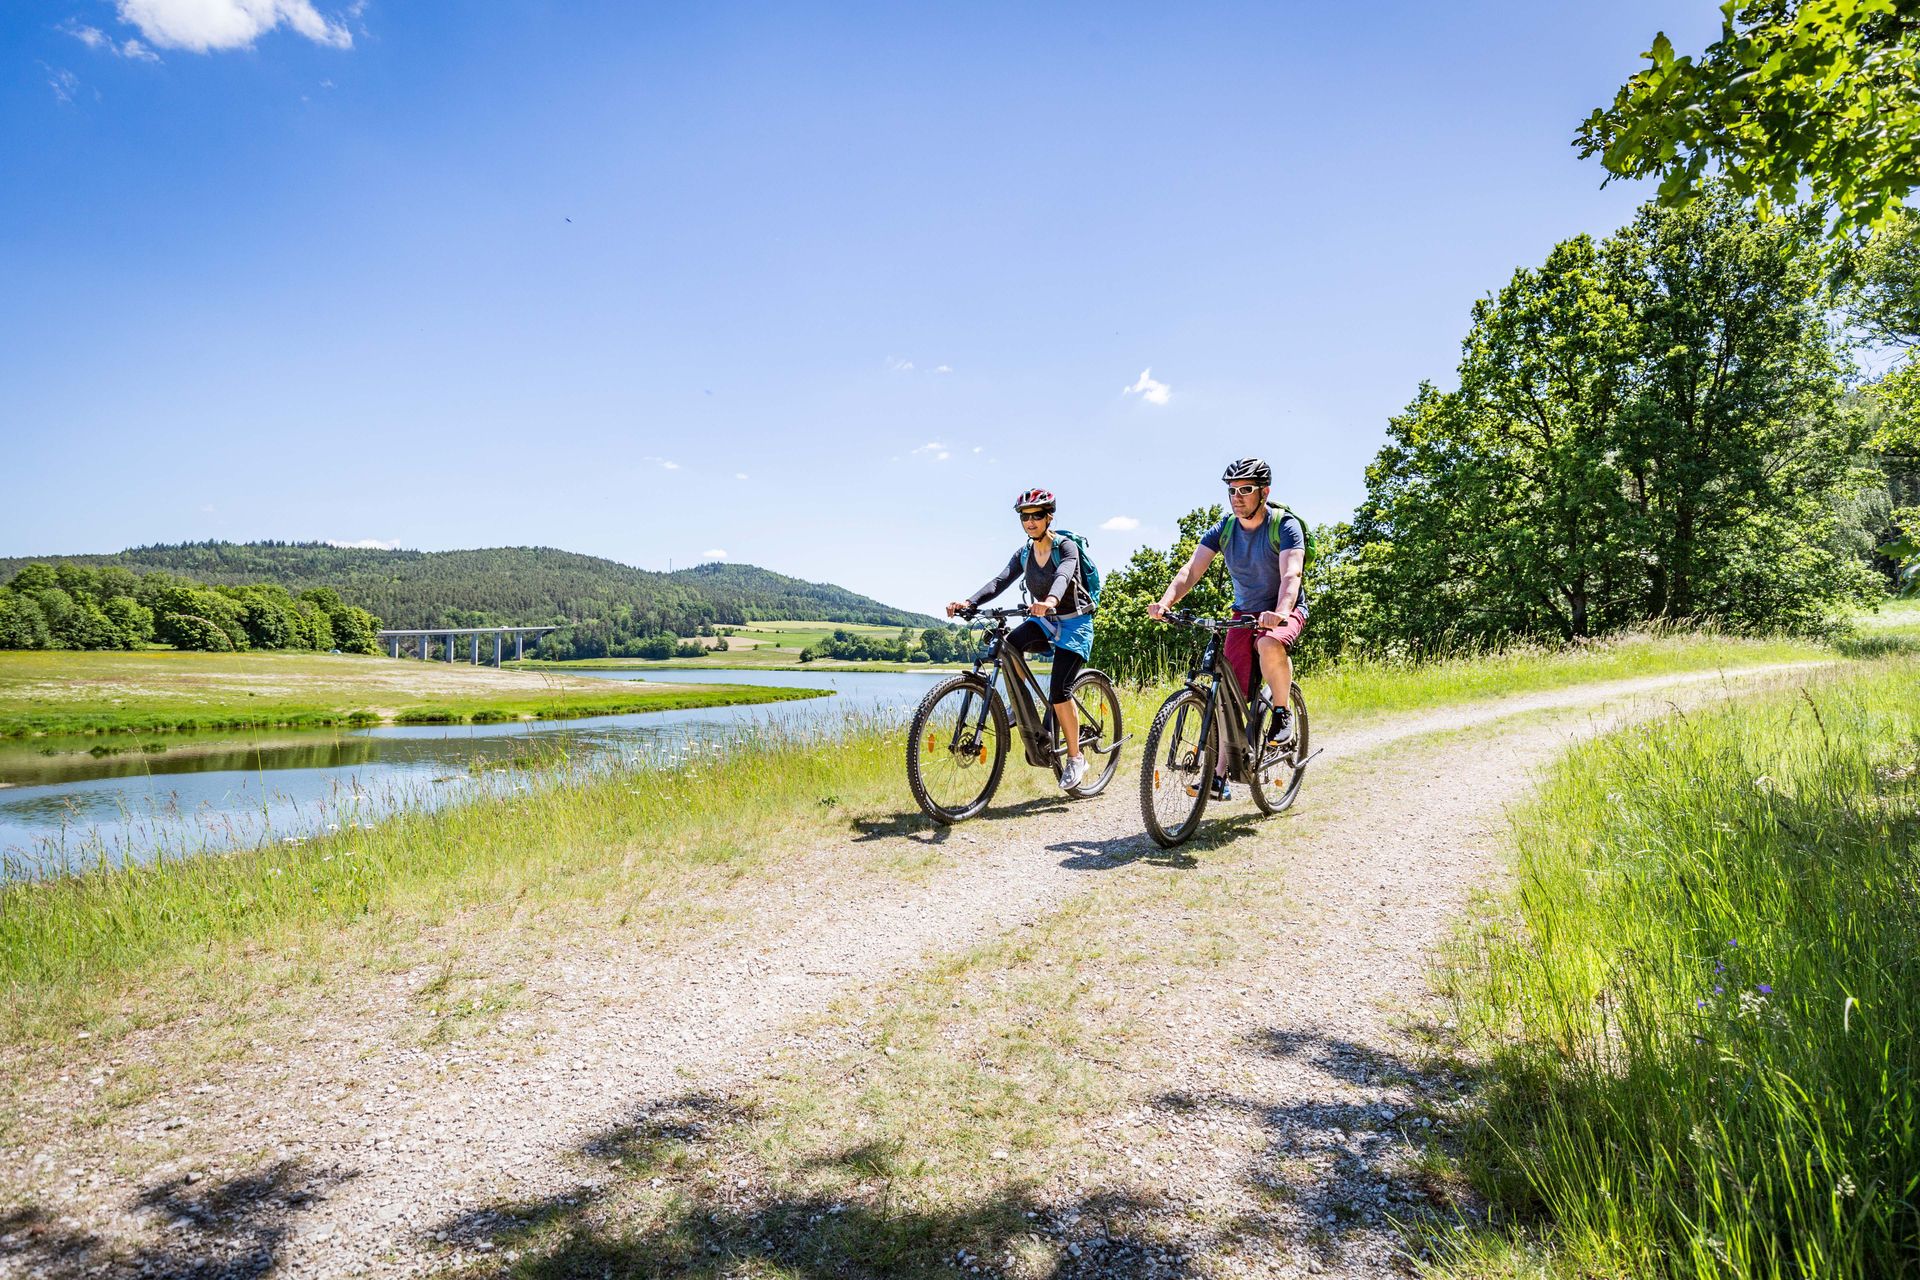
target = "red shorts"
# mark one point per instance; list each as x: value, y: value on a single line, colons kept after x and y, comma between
x: 1240, y: 645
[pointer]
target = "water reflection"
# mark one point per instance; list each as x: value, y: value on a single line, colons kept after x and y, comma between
x: 66, y: 804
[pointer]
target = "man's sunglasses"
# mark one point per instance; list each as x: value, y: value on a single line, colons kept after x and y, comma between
x: 1033, y: 515
x: 1242, y: 490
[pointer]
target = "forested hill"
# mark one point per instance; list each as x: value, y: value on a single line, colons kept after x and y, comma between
x: 508, y: 586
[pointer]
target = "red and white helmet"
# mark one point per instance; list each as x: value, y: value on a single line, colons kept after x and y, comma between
x: 1042, y: 498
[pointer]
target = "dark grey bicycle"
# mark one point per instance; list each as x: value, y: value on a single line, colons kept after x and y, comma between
x: 957, y: 750
x: 1176, y: 775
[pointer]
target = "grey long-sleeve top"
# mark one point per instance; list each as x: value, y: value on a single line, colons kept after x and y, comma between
x: 1058, y: 576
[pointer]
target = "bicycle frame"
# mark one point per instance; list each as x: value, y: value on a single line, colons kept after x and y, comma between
x: 1214, y: 671
x: 1024, y: 696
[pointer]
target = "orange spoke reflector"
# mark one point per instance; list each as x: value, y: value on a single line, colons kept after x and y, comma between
x: 1156, y: 777
x: 983, y: 755
x: 932, y: 743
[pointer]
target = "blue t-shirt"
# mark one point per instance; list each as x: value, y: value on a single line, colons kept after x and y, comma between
x: 1254, y: 563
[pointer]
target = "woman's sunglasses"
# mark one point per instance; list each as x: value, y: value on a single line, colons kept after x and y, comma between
x: 1033, y: 515
x: 1242, y: 490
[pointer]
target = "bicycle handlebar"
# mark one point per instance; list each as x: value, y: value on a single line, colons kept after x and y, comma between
x: 1180, y: 617
x: 972, y: 615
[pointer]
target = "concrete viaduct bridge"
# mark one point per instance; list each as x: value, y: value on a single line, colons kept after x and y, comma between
x: 423, y: 640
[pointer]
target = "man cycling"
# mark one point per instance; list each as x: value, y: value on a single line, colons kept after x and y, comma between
x: 1062, y: 615
x: 1266, y: 566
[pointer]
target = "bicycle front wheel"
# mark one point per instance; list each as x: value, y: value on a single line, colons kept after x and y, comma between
x: 1176, y: 775
x: 1275, y: 782
x: 1098, y: 708
x: 957, y: 749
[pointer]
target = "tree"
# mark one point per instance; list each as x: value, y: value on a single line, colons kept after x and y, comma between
x: 1820, y: 94
x: 22, y: 625
x: 132, y: 621
x: 1647, y: 428
x: 1126, y: 642
x: 353, y: 629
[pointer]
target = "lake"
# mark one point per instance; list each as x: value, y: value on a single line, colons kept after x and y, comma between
x: 64, y: 807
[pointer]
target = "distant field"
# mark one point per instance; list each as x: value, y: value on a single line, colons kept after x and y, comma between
x: 757, y: 644
x: 64, y: 692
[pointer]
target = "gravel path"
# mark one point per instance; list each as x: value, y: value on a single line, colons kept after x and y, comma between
x: 342, y: 1153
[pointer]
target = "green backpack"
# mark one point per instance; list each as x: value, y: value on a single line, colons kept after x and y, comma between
x: 1279, y: 512
x: 1089, y: 574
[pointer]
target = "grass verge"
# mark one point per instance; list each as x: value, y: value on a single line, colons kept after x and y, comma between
x: 1699, y: 1010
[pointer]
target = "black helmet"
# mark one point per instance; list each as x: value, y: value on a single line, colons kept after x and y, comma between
x: 1253, y: 469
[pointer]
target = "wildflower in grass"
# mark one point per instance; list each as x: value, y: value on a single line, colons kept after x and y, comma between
x: 1764, y: 989
x: 1719, y: 991
x: 1844, y: 1187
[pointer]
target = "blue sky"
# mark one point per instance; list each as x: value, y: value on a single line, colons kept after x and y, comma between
x: 819, y: 287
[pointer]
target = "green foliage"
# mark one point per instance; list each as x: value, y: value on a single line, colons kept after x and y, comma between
x: 22, y: 624
x: 607, y: 609
x: 191, y: 631
x: 1129, y: 645
x: 1701, y: 1006
x: 1820, y: 95
x: 132, y: 622
x: 1648, y: 428
x: 78, y: 606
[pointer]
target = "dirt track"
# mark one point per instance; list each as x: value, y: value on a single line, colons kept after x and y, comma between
x: 1295, y: 1079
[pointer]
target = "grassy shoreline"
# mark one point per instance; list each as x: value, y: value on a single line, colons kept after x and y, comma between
x: 77, y: 694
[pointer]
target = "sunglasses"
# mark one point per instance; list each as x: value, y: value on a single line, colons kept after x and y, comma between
x: 1033, y: 515
x: 1242, y: 490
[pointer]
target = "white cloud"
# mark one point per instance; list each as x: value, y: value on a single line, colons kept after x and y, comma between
x: 1121, y: 524
x: 739, y: 475
x: 715, y: 554
x: 206, y: 25
x: 896, y: 365
x: 63, y: 83
x: 935, y: 450
x: 366, y: 544
x: 92, y: 37
x: 945, y: 368
x: 1149, y: 390
x: 100, y: 42
x: 662, y: 463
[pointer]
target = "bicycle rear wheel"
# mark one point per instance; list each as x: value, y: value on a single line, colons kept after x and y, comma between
x: 957, y: 749
x: 1176, y: 775
x: 1275, y: 782
x: 1098, y: 707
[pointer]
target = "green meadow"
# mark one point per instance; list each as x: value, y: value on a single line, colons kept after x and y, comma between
x: 61, y: 692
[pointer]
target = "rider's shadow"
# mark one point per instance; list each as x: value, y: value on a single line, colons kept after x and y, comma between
x: 1120, y: 851
x: 911, y: 824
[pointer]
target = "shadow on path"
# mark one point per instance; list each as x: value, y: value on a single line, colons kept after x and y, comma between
x: 233, y: 1229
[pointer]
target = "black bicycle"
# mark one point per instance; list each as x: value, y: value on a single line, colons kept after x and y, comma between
x: 958, y: 748
x: 1176, y: 777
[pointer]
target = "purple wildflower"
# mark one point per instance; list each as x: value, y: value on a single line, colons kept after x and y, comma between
x: 1699, y: 1004
x: 1719, y: 968
x: 1719, y: 991
x: 1733, y: 942
x: 1764, y: 989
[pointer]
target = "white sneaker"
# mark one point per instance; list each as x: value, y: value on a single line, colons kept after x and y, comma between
x: 1074, y: 773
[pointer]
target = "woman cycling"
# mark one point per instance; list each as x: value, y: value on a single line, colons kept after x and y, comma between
x: 1062, y: 614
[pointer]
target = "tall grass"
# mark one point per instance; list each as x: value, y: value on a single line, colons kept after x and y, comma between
x: 633, y: 845
x: 1701, y: 1016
